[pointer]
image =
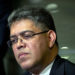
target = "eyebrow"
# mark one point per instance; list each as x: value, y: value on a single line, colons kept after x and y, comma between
x: 13, y: 36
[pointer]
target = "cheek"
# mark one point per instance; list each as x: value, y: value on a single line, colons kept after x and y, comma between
x: 15, y: 52
x: 38, y: 47
x: 34, y: 48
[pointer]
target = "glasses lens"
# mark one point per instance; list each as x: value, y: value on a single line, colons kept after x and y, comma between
x: 27, y: 35
x: 9, y: 43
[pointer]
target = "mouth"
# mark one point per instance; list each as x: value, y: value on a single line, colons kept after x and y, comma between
x: 22, y: 55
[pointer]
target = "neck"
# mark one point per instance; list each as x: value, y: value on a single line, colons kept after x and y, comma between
x: 49, y: 57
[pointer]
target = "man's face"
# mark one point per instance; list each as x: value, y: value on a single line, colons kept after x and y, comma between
x: 32, y: 51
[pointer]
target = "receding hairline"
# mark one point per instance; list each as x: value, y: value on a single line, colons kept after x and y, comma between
x: 37, y: 24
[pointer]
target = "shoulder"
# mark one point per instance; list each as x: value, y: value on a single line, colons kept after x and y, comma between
x: 69, y: 66
x: 64, y: 62
x: 67, y: 63
x: 64, y: 66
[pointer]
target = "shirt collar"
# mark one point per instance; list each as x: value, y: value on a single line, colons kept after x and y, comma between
x: 47, y: 70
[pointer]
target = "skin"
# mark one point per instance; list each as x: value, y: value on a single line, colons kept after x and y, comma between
x: 38, y: 51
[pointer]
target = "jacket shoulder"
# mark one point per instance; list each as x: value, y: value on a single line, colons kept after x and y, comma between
x: 69, y: 67
x: 62, y: 67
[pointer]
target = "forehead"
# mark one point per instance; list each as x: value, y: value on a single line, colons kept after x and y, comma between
x: 22, y: 25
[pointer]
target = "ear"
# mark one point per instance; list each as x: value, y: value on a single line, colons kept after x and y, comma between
x: 52, y: 38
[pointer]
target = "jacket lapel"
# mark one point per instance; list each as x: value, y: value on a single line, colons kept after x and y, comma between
x: 58, y: 66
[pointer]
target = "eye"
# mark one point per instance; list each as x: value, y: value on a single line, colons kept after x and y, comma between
x: 13, y: 41
x: 27, y: 35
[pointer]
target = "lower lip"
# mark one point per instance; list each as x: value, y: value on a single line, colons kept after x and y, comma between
x: 23, y: 55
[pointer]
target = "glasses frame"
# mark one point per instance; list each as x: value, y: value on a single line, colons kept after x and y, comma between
x: 9, y: 41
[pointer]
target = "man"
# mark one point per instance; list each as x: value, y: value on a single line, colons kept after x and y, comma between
x: 34, y: 43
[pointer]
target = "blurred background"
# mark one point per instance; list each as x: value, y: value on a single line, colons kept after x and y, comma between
x: 63, y: 12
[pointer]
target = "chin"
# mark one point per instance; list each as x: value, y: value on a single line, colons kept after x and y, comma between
x: 26, y: 66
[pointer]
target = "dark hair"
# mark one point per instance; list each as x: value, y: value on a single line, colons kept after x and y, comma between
x: 40, y: 16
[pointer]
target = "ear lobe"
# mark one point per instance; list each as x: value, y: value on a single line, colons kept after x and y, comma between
x: 52, y: 38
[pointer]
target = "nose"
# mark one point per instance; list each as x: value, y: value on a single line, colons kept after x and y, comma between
x: 20, y: 44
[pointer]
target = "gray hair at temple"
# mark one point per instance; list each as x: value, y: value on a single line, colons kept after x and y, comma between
x: 40, y: 16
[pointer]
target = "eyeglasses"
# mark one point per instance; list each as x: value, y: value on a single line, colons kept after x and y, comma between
x: 25, y: 35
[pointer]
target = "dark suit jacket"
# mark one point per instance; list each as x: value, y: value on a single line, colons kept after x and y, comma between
x: 61, y: 67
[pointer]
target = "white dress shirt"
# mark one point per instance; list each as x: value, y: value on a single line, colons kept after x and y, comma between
x: 47, y: 70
